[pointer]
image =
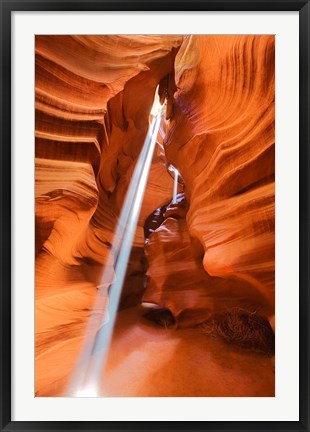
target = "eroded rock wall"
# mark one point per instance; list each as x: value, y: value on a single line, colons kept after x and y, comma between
x: 215, y: 249
x: 221, y: 138
x: 93, y: 99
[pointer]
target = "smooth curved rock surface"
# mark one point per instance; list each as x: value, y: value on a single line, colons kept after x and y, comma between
x: 221, y: 138
x: 212, y: 252
x: 178, y: 281
x: 93, y: 99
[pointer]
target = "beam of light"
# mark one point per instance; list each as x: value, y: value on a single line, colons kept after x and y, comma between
x: 91, y: 361
x: 87, y: 392
x: 175, y: 186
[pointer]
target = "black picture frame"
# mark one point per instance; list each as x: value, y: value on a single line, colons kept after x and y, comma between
x: 7, y: 7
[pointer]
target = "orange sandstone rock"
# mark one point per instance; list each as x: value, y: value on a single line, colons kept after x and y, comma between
x: 93, y: 99
x: 214, y: 251
x: 221, y: 138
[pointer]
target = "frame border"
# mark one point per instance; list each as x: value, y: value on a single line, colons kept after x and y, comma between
x: 6, y: 7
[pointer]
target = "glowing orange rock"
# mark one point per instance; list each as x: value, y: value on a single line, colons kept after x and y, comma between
x: 221, y: 138
x: 93, y: 100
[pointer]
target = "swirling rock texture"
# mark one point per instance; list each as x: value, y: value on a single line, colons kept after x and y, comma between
x: 208, y: 253
x: 221, y: 139
x: 178, y: 280
x: 93, y: 99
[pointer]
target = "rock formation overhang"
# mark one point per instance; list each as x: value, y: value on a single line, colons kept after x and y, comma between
x: 209, y: 253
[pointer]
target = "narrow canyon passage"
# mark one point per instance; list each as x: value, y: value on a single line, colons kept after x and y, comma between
x: 196, y: 310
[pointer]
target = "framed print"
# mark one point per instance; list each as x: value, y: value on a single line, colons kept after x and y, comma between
x: 154, y: 217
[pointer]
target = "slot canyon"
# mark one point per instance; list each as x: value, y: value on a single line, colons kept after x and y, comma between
x: 196, y: 315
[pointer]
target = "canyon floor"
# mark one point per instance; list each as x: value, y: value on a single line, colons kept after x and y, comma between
x: 147, y: 360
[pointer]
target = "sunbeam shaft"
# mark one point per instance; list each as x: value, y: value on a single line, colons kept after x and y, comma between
x: 88, y: 371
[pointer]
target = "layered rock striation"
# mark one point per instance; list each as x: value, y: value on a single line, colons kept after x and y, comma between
x: 207, y: 254
x: 93, y: 99
x: 221, y: 138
